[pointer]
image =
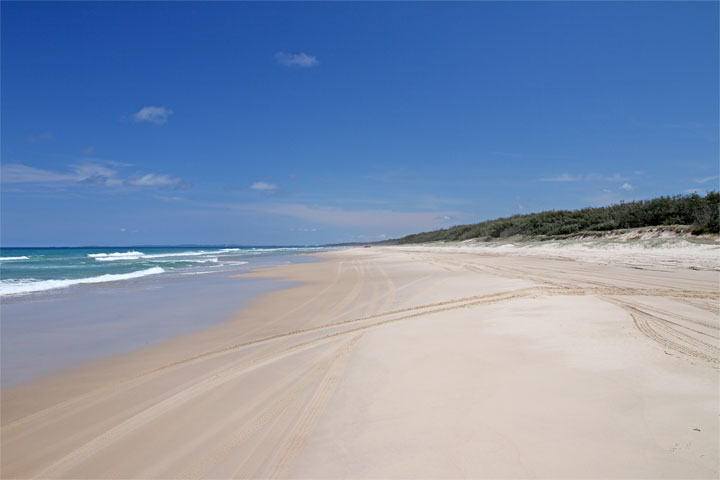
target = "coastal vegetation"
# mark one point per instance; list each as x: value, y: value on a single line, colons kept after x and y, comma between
x: 698, y: 213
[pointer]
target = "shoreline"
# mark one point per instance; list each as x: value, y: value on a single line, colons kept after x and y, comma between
x: 378, y: 360
x: 59, y: 330
x: 94, y: 373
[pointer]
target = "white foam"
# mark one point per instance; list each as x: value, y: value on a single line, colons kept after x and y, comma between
x: 20, y: 287
x: 118, y: 258
x: 207, y: 260
x: 179, y: 254
x: 10, y: 259
x: 109, y: 257
x: 134, y: 255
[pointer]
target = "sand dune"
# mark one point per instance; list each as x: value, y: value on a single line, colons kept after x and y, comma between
x: 403, y: 363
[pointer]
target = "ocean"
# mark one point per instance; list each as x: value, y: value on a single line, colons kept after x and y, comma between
x: 61, y: 307
x: 25, y: 271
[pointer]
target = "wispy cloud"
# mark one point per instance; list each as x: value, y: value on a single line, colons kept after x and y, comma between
x: 85, y: 174
x: 94, y: 174
x: 170, y: 199
x: 349, y: 218
x: 88, y: 150
x: 155, y: 180
x: 18, y: 173
x: 565, y: 177
x: 612, y: 195
x: 300, y: 60
x: 706, y: 179
x: 614, y: 178
x: 264, y: 186
x: 40, y: 137
x: 606, y: 197
x: 156, y: 115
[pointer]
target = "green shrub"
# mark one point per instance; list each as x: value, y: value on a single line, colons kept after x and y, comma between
x: 700, y: 213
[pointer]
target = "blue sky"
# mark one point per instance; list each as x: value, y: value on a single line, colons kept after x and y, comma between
x: 306, y: 123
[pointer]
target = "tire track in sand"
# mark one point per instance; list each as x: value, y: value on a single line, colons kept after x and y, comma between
x: 660, y: 330
x: 205, y: 355
x: 425, y: 309
x: 286, y: 401
x: 297, y: 438
x: 87, y: 450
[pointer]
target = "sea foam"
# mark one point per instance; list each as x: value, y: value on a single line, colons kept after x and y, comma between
x: 10, y: 259
x: 135, y: 255
x: 108, y: 257
x: 179, y: 254
x: 24, y: 286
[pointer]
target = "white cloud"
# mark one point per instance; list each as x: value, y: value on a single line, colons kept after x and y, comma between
x: 88, y: 150
x: 706, y: 179
x: 627, y: 187
x: 264, y: 186
x: 156, y: 115
x: 87, y: 170
x: 155, y: 180
x: 18, y: 173
x: 85, y: 174
x: 301, y: 60
x: 565, y: 177
x: 97, y: 175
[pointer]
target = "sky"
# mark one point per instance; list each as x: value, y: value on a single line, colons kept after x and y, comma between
x: 310, y: 123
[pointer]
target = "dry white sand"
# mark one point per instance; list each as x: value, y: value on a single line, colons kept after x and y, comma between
x: 404, y: 363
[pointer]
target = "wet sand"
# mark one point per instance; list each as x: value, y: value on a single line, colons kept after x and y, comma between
x: 403, y: 363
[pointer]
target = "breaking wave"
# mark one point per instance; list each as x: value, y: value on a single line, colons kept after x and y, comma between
x: 23, y: 286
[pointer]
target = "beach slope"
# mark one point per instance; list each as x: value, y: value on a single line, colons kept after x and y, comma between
x: 404, y: 363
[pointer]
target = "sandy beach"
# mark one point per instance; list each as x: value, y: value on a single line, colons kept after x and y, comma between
x: 404, y: 363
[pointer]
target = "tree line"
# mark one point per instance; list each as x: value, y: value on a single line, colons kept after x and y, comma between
x: 699, y: 213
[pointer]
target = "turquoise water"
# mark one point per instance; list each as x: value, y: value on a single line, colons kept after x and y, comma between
x: 26, y: 271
